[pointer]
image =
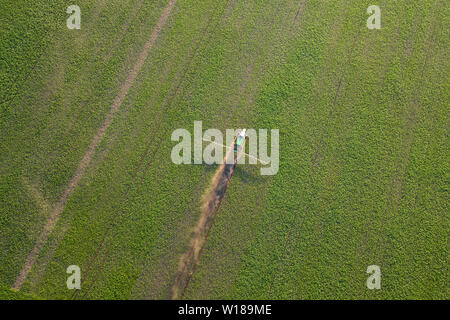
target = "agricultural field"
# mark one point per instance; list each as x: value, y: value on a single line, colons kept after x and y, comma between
x: 87, y: 178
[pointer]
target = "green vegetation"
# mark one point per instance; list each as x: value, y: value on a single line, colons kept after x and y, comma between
x: 10, y: 294
x: 363, y: 173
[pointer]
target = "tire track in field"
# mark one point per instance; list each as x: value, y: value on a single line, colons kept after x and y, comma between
x: 334, y: 166
x: 410, y: 114
x: 38, y: 275
x: 410, y: 118
x: 364, y: 251
x: 211, y: 203
x: 214, y: 195
x: 319, y: 227
x: 165, y: 106
x: 382, y: 71
x: 290, y: 239
x: 84, y: 163
x: 300, y: 12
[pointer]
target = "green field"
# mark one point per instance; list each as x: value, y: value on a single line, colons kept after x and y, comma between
x: 363, y: 177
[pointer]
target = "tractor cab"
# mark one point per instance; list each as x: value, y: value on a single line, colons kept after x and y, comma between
x: 240, y: 140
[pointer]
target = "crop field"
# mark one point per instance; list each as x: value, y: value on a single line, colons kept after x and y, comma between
x: 87, y: 178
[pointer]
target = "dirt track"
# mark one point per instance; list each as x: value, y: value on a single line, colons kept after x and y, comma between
x: 210, y: 205
x: 84, y: 163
